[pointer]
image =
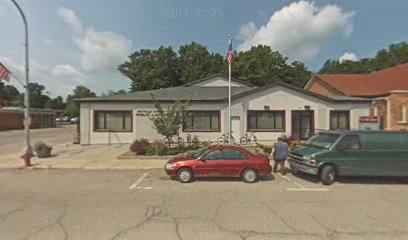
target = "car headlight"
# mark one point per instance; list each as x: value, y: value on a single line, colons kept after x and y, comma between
x: 310, y: 160
x: 170, y: 166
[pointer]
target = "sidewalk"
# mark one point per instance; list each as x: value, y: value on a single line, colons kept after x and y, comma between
x: 70, y: 156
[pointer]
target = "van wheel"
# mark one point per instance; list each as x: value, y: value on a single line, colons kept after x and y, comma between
x: 249, y: 175
x: 185, y: 175
x: 328, y: 175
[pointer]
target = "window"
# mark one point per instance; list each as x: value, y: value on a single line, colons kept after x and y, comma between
x: 349, y: 142
x: 403, y: 113
x: 214, y: 155
x: 204, y: 121
x: 120, y: 121
x: 339, y: 120
x: 233, y: 154
x: 267, y: 121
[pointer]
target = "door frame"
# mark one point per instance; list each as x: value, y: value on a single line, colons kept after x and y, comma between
x: 312, y: 125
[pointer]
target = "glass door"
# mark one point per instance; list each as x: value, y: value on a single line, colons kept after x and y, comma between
x: 302, y: 124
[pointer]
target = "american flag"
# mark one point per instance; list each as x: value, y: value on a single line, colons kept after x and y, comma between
x: 4, y: 73
x: 230, y: 54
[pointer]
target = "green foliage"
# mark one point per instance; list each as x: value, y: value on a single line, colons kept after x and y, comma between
x: 393, y: 55
x: 56, y: 103
x: 162, y: 68
x: 196, y: 62
x: 261, y: 66
x: 72, y: 107
x: 156, y: 149
x: 8, y: 94
x: 167, y: 123
x: 139, y: 146
x: 152, y: 69
x: 38, y: 96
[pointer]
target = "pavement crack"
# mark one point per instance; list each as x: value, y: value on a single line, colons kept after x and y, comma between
x: 5, y: 215
x: 281, y: 218
x: 57, y: 222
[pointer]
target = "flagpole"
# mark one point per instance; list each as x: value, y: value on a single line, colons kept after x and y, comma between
x: 28, y: 150
x: 229, y: 97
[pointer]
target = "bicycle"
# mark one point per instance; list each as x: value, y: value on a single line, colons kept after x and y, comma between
x: 175, y: 139
x: 247, y: 139
x: 224, y: 139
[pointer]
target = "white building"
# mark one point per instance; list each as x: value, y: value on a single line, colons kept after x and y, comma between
x: 269, y: 111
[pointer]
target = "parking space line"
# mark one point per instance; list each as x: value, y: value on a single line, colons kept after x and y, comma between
x: 134, y: 185
x: 301, y: 187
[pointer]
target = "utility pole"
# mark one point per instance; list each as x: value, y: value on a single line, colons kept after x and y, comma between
x: 27, y: 120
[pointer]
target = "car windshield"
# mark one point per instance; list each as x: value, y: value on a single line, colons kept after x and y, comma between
x: 322, y: 140
x: 197, y: 153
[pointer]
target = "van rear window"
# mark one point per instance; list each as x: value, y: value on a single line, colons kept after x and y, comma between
x: 322, y: 140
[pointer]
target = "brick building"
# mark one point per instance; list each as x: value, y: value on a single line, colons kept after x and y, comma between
x: 388, y: 90
x: 12, y: 117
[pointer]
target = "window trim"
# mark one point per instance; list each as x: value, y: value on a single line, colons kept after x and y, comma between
x: 112, y: 130
x: 184, y: 129
x: 283, y: 129
x: 402, y: 113
x: 333, y: 112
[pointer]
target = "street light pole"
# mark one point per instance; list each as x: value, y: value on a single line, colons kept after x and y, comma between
x: 27, y: 120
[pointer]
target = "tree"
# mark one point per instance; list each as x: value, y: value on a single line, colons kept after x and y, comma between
x: 79, y: 92
x: 167, y: 123
x: 260, y: 66
x: 38, y: 97
x: 8, y: 94
x: 196, y: 62
x: 393, y: 55
x: 111, y: 92
x: 152, y: 69
x: 56, y: 103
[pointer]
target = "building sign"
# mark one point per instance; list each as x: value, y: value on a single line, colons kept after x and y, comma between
x: 147, y: 113
x: 369, y: 123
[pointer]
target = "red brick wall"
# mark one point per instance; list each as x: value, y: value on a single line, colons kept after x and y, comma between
x: 11, y: 121
x: 320, y: 87
x: 381, y: 111
x: 396, y: 100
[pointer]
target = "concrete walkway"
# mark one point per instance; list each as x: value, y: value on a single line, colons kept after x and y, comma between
x: 70, y: 156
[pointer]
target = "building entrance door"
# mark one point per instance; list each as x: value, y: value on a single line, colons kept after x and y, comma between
x: 236, y: 127
x: 302, y: 124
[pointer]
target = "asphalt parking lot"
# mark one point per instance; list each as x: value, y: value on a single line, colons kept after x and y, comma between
x: 122, y: 204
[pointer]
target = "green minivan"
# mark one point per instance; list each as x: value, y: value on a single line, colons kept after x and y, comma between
x: 352, y: 153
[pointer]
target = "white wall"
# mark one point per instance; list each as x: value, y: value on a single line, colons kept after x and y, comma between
x: 218, y: 82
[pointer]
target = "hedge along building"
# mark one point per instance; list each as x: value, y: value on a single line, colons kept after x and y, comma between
x: 269, y: 111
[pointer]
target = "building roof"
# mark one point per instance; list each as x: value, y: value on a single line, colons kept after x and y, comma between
x: 367, y: 85
x: 304, y: 91
x: 214, y: 76
x: 205, y: 93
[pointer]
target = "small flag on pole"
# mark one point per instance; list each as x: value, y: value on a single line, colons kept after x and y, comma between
x: 230, y: 54
x: 4, y: 73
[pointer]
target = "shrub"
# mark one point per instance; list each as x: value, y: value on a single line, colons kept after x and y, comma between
x: 42, y: 149
x: 292, y: 142
x: 267, y: 150
x: 139, y: 146
x: 155, y: 149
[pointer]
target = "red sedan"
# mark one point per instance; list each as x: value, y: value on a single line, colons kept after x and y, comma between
x: 219, y: 161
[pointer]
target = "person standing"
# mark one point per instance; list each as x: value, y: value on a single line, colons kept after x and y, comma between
x: 279, y: 154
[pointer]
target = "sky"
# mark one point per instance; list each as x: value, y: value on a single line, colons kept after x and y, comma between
x: 74, y: 42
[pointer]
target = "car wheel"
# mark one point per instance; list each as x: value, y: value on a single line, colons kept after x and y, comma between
x: 249, y: 175
x: 221, y: 140
x: 328, y: 175
x: 243, y: 141
x: 185, y: 175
